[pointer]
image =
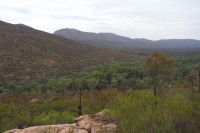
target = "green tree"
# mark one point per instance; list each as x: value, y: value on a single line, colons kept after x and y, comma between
x: 155, y: 65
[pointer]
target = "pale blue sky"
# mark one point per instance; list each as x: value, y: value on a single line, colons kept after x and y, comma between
x: 152, y: 19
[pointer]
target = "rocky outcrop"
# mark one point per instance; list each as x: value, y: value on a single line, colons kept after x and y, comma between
x: 64, y: 128
x: 97, y: 123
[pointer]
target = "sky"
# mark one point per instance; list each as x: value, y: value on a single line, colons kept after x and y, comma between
x: 151, y: 19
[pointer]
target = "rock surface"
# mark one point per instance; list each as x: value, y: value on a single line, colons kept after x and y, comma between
x: 96, y: 123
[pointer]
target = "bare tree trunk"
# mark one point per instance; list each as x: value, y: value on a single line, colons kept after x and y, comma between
x: 154, y: 82
x: 80, y: 112
x: 90, y: 99
x: 155, y: 91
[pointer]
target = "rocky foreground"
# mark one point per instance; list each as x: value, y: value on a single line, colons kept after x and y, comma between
x: 97, y: 123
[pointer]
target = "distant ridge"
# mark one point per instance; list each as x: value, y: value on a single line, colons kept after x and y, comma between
x: 110, y: 40
x: 27, y: 54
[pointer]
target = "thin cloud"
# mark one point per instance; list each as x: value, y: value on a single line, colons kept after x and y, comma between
x: 152, y: 19
x: 19, y: 10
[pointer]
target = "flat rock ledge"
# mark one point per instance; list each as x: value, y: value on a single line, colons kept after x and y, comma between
x: 96, y: 123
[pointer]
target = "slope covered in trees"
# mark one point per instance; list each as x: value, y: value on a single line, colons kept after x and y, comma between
x: 26, y: 54
x: 56, y: 98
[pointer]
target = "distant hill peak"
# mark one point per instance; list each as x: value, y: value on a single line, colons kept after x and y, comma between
x: 23, y: 25
x: 111, y: 40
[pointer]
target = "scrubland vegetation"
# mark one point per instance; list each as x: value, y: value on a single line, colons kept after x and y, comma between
x: 20, y: 110
x: 177, y: 110
x: 126, y: 88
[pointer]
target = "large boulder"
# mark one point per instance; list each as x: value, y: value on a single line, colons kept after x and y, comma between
x: 97, y: 123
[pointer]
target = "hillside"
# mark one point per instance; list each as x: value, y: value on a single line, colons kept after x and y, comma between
x: 96, y: 39
x: 110, y: 40
x: 26, y: 54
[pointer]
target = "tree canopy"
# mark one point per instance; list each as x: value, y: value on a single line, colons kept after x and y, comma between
x: 157, y: 64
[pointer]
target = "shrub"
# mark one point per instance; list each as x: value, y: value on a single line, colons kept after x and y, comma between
x: 11, y: 116
x: 172, y: 113
x: 53, y: 117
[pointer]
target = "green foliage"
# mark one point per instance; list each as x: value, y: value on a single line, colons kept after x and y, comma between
x: 44, y: 112
x: 53, y: 117
x: 173, y: 113
x: 122, y: 75
x: 58, y: 97
x: 50, y: 108
x: 116, y: 75
x: 11, y: 116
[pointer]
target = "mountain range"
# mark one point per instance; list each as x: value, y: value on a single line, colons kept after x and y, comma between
x: 27, y: 54
x: 110, y: 40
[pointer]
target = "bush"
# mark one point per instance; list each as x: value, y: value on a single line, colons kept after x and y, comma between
x: 53, y: 117
x: 11, y: 116
x: 138, y: 112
